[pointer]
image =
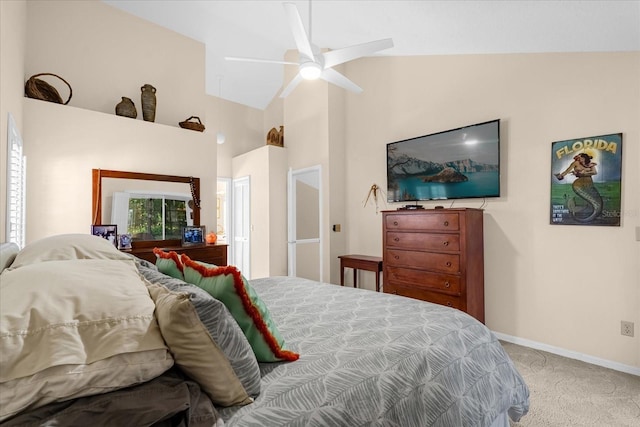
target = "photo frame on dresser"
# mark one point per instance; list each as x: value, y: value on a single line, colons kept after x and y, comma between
x: 124, y: 241
x: 109, y: 232
x: 192, y: 235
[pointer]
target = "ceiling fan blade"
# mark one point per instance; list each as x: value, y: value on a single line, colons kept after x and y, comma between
x: 297, y: 28
x: 291, y: 86
x: 340, y: 56
x: 264, y: 61
x: 332, y: 76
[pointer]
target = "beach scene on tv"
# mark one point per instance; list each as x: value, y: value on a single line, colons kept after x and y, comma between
x: 455, y: 164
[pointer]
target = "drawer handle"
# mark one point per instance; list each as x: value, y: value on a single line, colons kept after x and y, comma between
x: 446, y: 243
x: 395, y: 222
x: 396, y: 256
x: 449, y: 304
x: 446, y: 223
x: 447, y: 284
x: 448, y: 263
x: 396, y: 239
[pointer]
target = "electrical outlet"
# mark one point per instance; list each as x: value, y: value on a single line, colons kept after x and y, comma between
x: 626, y: 328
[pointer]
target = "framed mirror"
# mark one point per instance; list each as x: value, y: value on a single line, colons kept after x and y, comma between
x: 151, y: 208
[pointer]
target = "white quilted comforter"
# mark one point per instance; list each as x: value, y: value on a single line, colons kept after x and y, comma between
x: 373, y: 359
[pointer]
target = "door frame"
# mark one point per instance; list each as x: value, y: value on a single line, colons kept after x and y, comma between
x: 243, y: 214
x: 292, y: 241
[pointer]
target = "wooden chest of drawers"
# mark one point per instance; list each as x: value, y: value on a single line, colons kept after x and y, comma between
x: 435, y: 255
x: 211, y: 254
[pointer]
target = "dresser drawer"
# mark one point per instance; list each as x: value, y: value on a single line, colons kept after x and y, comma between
x: 424, y: 279
x: 426, y: 241
x: 421, y: 294
x: 434, y: 222
x: 441, y: 262
x: 210, y: 254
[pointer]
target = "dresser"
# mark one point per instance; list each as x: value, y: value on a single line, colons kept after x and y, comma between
x: 435, y: 255
x: 211, y: 254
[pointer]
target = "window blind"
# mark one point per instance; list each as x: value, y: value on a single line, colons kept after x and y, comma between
x: 16, y: 184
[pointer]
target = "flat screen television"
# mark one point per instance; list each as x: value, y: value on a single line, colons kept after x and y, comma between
x: 461, y: 163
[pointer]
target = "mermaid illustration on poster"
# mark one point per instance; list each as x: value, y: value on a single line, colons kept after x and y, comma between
x: 585, y: 186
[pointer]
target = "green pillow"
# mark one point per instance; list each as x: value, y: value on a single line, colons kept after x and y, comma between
x: 229, y: 286
x: 169, y: 263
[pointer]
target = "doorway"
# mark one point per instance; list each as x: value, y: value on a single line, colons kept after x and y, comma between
x: 305, y: 223
x: 241, y: 228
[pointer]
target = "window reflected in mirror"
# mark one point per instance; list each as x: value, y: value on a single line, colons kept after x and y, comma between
x: 152, y: 216
x: 147, y: 210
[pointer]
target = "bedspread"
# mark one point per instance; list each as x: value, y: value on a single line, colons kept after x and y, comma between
x: 368, y: 358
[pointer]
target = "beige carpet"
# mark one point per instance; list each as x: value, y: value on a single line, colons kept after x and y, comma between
x: 568, y: 392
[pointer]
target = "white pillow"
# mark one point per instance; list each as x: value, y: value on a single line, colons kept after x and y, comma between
x: 67, y: 246
x: 74, y: 314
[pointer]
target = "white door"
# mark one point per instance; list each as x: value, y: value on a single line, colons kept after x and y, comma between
x: 305, y: 223
x: 241, y: 228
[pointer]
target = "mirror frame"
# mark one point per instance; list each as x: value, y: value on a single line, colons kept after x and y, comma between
x: 96, y: 202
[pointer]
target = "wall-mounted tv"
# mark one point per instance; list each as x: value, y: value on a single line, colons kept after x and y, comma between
x: 459, y: 163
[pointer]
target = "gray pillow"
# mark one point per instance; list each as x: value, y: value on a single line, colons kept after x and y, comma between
x: 221, y: 325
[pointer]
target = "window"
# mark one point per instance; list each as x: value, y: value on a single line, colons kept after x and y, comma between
x: 16, y: 180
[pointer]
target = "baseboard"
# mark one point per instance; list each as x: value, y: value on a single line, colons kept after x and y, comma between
x: 570, y: 354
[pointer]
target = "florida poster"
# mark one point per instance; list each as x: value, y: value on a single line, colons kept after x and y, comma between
x: 586, y: 177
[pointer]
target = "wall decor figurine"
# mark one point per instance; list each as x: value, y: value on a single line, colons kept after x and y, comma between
x: 148, y: 98
x: 192, y: 123
x: 126, y: 108
x: 373, y: 195
x: 276, y: 137
x: 39, y: 89
x: 586, y: 180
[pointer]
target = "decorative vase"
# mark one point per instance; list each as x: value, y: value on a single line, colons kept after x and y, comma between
x: 126, y: 108
x: 211, y: 238
x: 148, y: 103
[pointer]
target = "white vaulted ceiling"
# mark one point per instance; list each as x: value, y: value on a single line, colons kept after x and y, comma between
x: 259, y: 29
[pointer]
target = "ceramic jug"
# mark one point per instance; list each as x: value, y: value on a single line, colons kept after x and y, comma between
x: 148, y: 103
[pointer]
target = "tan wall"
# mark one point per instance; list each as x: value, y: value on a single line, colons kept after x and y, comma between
x: 338, y: 187
x: 566, y: 286
x: 278, y: 161
x: 64, y: 143
x: 13, y: 28
x: 306, y: 123
x: 241, y: 125
x: 266, y: 169
x: 105, y: 53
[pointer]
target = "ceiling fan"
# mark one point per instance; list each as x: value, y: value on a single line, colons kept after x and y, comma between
x: 312, y: 63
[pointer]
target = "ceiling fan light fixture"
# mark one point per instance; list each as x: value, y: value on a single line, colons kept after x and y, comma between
x: 220, y: 138
x: 310, y: 70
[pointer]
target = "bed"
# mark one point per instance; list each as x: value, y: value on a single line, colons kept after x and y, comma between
x: 365, y: 358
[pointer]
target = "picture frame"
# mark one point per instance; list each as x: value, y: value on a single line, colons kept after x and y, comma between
x: 192, y: 235
x: 108, y: 232
x: 586, y: 181
x: 124, y: 240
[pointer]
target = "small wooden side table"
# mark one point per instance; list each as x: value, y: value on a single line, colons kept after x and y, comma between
x: 360, y: 262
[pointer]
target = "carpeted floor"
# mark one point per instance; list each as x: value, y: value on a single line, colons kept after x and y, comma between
x: 568, y: 392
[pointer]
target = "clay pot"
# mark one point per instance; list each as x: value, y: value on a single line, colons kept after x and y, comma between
x: 126, y: 108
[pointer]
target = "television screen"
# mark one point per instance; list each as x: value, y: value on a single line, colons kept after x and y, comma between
x: 455, y: 164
